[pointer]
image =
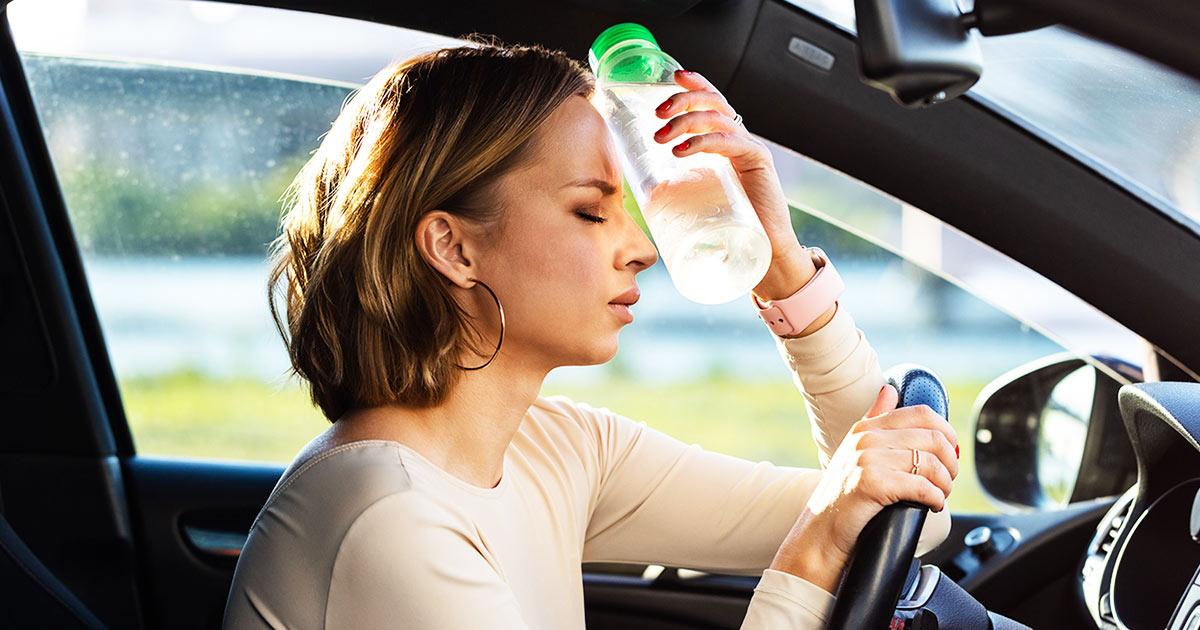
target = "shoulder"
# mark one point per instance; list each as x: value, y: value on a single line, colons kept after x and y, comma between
x: 406, y: 530
x: 295, y: 541
x: 320, y: 496
x: 361, y: 483
x: 563, y: 406
x: 600, y: 427
x: 345, y: 477
x: 582, y: 415
x: 604, y: 433
x: 410, y: 560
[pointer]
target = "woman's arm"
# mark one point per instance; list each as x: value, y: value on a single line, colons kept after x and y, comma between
x: 683, y: 505
x: 664, y: 502
x: 832, y: 364
x: 837, y: 372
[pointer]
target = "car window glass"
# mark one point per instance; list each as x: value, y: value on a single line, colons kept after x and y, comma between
x: 1126, y: 116
x: 172, y: 170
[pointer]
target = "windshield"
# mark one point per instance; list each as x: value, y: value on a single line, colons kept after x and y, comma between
x: 1133, y: 120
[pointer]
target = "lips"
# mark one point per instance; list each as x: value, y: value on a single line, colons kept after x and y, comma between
x: 627, y: 298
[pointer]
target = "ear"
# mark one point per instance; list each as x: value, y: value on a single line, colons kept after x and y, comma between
x: 444, y: 241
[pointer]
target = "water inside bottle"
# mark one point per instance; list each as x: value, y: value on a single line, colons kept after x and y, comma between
x: 708, y: 234
x: 711, y: 258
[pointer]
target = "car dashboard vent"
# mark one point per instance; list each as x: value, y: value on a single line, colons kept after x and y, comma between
x: 1108, y: 532
x: 1092, y: 574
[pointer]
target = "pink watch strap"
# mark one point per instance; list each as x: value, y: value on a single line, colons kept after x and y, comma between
x: 793, y: 314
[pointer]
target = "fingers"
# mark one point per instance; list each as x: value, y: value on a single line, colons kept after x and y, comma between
x: 741, y: 148
x: 706, y: 112
x: 912, y: 417
x: 694, y: 122
x: 701, y: 108
x: 701, y: 94
x: 693, y: 80
x: 931, y: 466
x: 884, y: 440
x: 903, y: 441
x: 920, y: 489
x: 885, y: 400
x: 703, y: 99
x: 885, y: 485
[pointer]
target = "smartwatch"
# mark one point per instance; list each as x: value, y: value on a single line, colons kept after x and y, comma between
x: 793, y: 314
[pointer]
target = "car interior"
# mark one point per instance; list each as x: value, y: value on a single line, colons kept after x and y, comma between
x: 96, y: 533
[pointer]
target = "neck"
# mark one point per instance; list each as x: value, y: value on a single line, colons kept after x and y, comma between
x: 468, y: 434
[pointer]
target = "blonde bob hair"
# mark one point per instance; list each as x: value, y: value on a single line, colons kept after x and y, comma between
x: 369, y: 321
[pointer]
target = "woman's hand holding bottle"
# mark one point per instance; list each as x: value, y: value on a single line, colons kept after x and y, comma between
x: 704, y: 111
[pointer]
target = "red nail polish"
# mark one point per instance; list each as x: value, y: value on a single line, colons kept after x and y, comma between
x: 955, y: 451
x: 664, y: 131
x: 662, y: 109
x: 682, y: 146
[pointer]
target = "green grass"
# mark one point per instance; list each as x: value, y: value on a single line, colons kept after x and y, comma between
x: 187, y: 414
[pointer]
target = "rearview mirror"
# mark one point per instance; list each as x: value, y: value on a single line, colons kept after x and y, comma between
x: 918, y: 52
x: 927, y: 51
x: 1049, y: 433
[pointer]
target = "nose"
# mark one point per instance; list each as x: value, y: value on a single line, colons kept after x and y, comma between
x: 639, y: 250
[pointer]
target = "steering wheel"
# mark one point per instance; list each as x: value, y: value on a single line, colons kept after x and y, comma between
x: 887, y: 546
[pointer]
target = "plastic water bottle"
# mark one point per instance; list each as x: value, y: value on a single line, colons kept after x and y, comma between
x: 707, y: 232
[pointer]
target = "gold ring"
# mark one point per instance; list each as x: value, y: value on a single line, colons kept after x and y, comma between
x: 916, y: 469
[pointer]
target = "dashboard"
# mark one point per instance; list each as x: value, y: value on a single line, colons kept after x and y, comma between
x: 1140, y: 569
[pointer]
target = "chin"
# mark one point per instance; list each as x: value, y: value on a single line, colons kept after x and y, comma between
x: 598, y: 354
x: 589, y: 347
x: 612, y: 353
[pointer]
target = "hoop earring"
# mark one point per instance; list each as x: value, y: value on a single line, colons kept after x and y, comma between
x: 501, y: 308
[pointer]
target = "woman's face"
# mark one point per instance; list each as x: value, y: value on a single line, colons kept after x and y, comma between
x: 554, y: 269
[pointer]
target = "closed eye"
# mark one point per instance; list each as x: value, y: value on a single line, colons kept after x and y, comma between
x: 590, y: 217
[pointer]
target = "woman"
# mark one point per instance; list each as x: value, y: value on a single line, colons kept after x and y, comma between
x: 448, y: 493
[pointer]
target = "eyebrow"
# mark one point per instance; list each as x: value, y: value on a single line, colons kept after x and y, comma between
x: 605, y: 187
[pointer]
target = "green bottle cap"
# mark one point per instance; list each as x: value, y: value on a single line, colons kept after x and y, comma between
x: 623, y: 34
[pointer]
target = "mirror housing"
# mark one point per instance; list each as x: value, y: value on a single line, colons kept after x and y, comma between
x: 918, y: 52
x: 924, y: 52
x: 1012, y: 415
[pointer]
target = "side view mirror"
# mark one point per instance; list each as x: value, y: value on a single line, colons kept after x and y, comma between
x: 1049, y: 433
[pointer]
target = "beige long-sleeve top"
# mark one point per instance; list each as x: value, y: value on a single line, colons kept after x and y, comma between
x: 371, y: 534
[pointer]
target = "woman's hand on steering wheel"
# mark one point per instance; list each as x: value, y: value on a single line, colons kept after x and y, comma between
x: 872, y: 468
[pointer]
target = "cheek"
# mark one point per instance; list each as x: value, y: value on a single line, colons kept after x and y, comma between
x: 559, y: 274
x: 573, y: 266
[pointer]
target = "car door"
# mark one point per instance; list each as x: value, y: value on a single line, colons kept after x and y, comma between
x: 158, y: 174
x: 169, y: 165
